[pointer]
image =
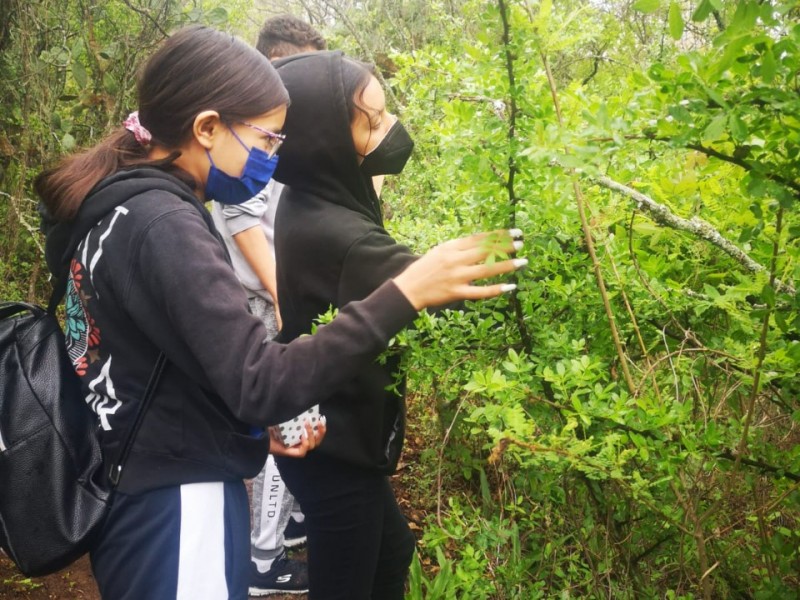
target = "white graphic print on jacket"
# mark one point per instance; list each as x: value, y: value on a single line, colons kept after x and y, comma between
x: 83, y: 335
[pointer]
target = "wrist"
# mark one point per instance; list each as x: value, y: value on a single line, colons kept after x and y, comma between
x: 406, y: 286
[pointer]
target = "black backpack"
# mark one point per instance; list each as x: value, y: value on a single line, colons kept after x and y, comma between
x: 54, y: 491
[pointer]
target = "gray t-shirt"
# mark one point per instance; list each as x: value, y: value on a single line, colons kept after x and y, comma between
x: 231, y: 219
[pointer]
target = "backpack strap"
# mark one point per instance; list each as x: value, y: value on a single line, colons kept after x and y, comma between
x: 59, y: 291
x: 9, y: 309
x: 115, y: 471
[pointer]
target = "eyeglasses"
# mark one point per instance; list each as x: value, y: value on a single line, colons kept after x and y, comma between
x: 274, y: 140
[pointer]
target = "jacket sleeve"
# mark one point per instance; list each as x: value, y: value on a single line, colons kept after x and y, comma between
x: 371, y: 260
x: 204, y: 327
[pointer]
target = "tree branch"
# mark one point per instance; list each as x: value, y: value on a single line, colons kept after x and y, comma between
x: 700, y: 228
x: 743, y: 164
x: 595, y: 68
x: 589, y: 238
x: 368, y: 54
x: 32, y: 229
x: 718, y: 19
x: 739, y: 162
x: 513, y: 200
x: 148, y: 16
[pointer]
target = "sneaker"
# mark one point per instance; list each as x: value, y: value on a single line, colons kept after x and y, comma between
x: 285, y: 576
x: 294, y: 535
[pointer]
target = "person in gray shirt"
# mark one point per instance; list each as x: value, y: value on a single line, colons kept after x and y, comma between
x: 248, y: 230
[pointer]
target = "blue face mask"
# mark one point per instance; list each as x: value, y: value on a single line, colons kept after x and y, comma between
x: 255, y: 176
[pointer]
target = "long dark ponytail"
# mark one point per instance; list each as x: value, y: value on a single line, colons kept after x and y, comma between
x: 196, y: 69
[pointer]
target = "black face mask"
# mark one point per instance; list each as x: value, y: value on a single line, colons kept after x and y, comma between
x: 391, y: 154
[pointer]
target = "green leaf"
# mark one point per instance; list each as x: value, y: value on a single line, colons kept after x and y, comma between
x: 68, y: 142
x: 675, y: 21
x: 543, y: 18
x: 737, y: 127
x: 780, y: 321
x: 571, y: 161
x: 768, y: 66
x: 218, y: 16
x: 710, y: 291
x: 644, y: 453
x: 702, y: 11
x: 715, y: 129
x: 79, y: 74
x: 110, y: 84
x: 715, y: 95
x: 768, y: 295
x: 647, y: 6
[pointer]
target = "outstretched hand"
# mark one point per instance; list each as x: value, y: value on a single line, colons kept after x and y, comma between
x: 310, y: 440
x: 446, y: 272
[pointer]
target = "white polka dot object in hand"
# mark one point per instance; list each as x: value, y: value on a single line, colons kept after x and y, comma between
x: 291, y: 431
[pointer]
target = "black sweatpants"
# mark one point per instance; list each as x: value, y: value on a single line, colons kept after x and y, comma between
x: 359, y: 544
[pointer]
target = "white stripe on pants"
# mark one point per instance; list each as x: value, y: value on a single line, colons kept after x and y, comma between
x: 201, y: 565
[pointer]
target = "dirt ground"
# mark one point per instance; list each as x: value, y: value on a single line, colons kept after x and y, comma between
x: 73, y: 583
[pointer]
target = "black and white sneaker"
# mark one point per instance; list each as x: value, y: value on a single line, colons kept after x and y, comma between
x: 285, y: 576
x: 294, y: 535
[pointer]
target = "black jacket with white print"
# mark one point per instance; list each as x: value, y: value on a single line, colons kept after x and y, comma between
x: 152, y: 275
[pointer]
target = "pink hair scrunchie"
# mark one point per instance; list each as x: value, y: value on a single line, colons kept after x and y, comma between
x: 133, y: 125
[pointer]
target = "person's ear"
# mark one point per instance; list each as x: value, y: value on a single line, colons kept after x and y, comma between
x: 207, y: 127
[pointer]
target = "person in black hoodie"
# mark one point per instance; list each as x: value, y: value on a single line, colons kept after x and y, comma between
x: 146, y: 274
x: 332, y: 249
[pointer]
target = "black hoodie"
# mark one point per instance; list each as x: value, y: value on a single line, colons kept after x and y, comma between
x: 151, y: 276
x: 331, y: 248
